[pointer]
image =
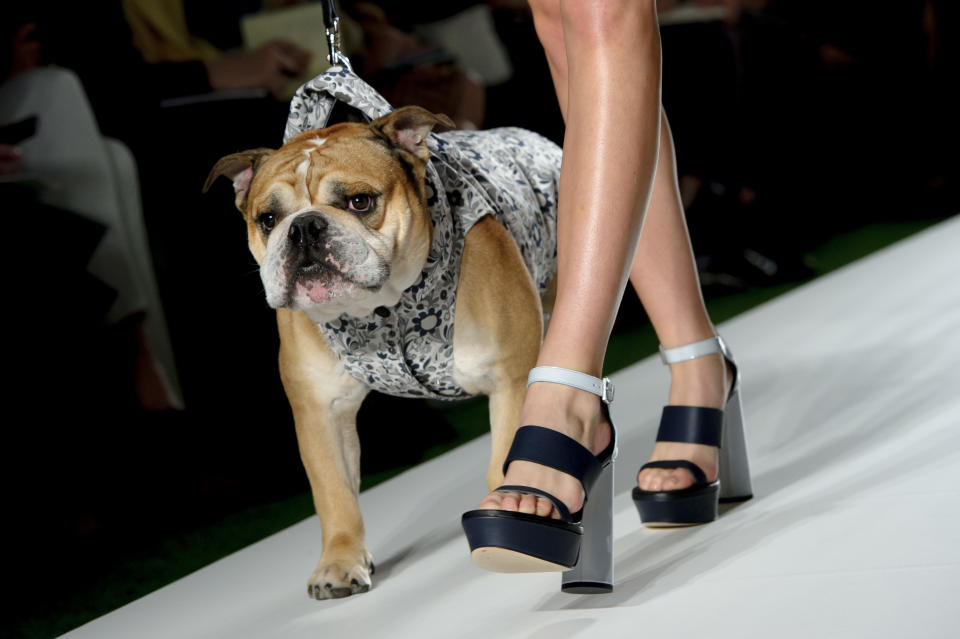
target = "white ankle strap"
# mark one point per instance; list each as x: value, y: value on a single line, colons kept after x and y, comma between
x: 691, y: 351
x: 600, y: 387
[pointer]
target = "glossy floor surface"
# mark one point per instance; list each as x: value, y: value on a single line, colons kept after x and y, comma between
x: 852, y: 401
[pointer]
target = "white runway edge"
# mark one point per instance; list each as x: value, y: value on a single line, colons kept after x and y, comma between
x: 852, y: 401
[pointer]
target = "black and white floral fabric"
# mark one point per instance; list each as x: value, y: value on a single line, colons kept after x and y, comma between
x: 510, y: 174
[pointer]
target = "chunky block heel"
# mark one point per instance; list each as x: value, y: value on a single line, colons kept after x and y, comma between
x: 581, y: 543
x: 593, y: 573
x: 735, y: 484
x: 697, y: 504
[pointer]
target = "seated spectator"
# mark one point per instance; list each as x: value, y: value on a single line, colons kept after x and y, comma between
x: 71, y: 166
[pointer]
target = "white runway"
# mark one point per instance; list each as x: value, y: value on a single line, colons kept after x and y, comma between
x: 852, y: 401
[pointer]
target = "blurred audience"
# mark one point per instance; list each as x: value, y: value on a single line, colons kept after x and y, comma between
x: 795, y: 120
x: 92, y: 368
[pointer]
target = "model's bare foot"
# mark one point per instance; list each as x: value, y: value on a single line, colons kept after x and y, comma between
x: 571, y: 411
x: 704, y: 381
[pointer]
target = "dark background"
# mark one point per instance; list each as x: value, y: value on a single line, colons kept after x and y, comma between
x: 794, y: 120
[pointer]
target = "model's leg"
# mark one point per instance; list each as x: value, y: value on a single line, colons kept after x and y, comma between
x: 609, y: 53
x: 664, y: 275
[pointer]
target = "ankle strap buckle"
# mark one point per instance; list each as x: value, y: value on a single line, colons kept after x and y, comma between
x: 606, y: 395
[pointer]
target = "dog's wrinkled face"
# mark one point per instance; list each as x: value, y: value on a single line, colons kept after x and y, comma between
x: 336, y: 217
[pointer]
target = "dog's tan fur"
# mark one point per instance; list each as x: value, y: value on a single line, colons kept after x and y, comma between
x: 497, y: 324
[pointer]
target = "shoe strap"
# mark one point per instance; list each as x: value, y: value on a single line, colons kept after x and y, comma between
x: 561, y: 508
x: 691, y: 425
x: 693, y: 350
x: 548, y: 447
x: 603, y: 388
x: 704, y: 347
x: 699, y: 477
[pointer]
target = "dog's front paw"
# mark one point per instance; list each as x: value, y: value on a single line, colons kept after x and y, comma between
x: 337, y: 577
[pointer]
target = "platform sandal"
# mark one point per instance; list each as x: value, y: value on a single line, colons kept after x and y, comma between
x: 697, y: 504
x: 579, y: 544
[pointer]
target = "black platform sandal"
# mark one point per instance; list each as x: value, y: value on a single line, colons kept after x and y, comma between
x: 579, y: 544
x: 697, y: 504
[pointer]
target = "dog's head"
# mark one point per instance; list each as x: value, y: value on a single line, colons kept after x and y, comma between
x: 337, y: 217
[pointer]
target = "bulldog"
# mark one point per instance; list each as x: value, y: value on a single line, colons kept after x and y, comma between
x: 412, y: 268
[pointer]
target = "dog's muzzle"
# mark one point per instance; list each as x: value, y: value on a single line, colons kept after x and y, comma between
x: 313, y: 246
x: 312, y: 260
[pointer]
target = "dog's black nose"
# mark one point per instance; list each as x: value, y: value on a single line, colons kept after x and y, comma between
x: 307, y: 230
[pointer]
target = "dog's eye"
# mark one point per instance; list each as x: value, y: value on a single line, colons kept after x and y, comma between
x: 267, y: 221
x: 360, y: 203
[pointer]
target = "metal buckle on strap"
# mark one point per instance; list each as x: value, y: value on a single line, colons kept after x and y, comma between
x: 606, y: 394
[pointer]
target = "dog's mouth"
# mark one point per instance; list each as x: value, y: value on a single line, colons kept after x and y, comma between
x: 320, y: 283
x: 324, y: 282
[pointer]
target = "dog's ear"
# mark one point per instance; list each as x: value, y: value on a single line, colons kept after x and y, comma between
x: 239, y: 167
x: 408, y: 127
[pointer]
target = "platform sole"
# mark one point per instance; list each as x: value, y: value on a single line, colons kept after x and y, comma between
x: 673, y: 508
x: 507, y: 541
x: 505, y: 560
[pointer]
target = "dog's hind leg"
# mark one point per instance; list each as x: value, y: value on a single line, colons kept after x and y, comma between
x: 325, y: 400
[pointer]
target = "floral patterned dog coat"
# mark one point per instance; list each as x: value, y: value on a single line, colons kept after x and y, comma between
x: 511, y: 174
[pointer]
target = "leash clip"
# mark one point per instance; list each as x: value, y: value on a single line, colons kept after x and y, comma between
x: 332, y: 20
